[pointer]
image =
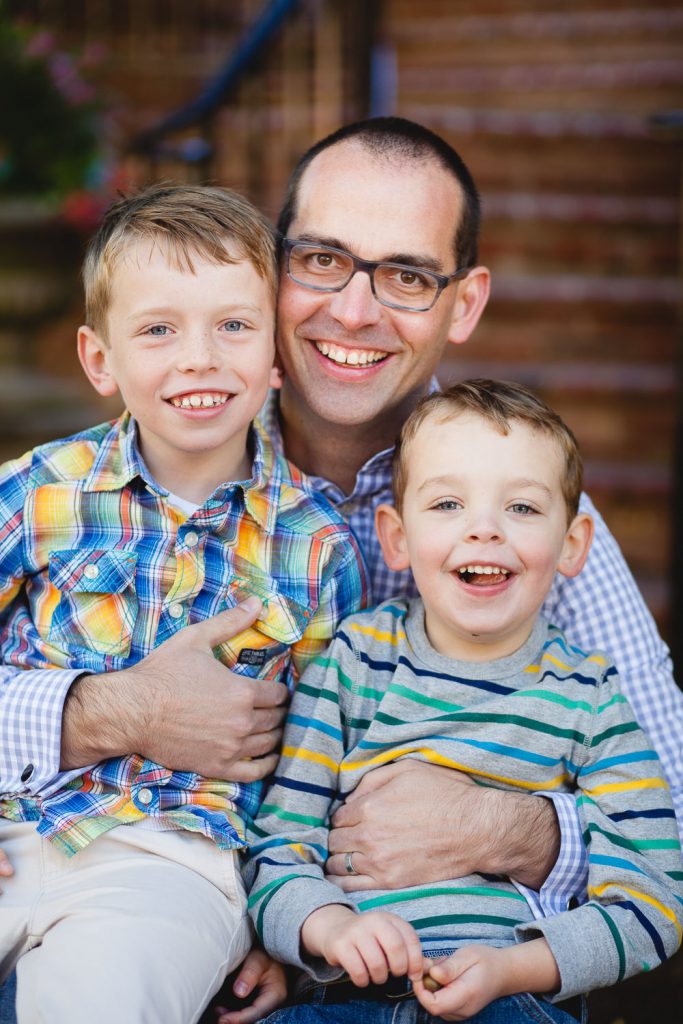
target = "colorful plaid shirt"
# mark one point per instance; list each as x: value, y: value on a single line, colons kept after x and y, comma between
x: 97, y: 567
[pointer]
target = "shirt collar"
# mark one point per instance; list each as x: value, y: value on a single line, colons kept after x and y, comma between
x: 118, y: 462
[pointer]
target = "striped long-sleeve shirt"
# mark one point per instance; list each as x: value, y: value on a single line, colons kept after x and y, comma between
x: 98, y: 567
x: 546, y: 718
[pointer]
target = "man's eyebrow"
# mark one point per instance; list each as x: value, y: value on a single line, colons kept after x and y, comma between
x: 409, y: 259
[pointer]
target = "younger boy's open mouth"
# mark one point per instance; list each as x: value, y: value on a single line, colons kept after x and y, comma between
x: 483, y: 575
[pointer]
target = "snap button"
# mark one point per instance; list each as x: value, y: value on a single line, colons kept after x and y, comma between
x: 27, y: 773
x: 175, y: 610
x: 91, y: 571
x: 191, y: 538
x: 145, y: 796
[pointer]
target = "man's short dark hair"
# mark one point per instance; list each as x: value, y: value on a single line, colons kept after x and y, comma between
x: 396, y: 137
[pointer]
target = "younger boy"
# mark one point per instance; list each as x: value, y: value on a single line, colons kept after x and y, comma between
x: 468, y: 676
x: 114, y: 540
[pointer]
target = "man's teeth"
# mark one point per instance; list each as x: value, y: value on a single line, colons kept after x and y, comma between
x: 485, y: 570
x: 198, y: 401
x: 355, y: 357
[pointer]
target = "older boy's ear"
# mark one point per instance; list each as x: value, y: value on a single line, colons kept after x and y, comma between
x: 276, y: 377
x: 392, y: 538
x: 577, y: 544
x: 472, y: 296
x: 93, y: 354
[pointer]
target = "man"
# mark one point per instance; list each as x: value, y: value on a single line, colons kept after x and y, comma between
x: 391, y: 191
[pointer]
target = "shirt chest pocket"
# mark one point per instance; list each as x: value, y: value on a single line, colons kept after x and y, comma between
x: 263, y: 650
x: 98, y: 605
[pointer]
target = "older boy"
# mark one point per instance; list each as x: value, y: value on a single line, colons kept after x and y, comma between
x: 468, y: 676
x: 114, y: 541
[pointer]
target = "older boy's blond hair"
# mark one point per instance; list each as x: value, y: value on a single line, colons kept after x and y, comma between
x: 186, y: 220
x: 500, y: 403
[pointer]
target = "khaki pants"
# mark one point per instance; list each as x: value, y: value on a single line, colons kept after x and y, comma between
x: 141, y: 926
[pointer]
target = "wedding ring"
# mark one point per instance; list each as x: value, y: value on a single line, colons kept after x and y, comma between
x: 348, y: 864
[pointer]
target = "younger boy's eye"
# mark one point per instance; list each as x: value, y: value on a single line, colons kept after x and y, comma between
x: 447, y: 505
x: 522, y: 508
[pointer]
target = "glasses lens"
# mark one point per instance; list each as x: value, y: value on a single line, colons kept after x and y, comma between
x: 318, y: 267
x: 405, y: 287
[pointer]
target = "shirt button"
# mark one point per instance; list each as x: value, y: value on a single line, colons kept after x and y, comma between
x: 145, y: 796
x: 91, y: 571
x: 175, y: 610
x: 191, y: 538
x: 27, y: 773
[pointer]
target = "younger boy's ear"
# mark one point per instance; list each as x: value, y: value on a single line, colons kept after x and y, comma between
x: 577, y: 544
x: 392, y: 538
x: 93, y: 354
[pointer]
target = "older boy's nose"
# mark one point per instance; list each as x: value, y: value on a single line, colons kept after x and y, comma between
x: 198, y: 354
x: 355, y: 306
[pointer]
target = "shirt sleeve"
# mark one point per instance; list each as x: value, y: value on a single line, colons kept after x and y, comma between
x: 288, y: 840
x: 603, y: 608
x: 569, y: 877
x: 634, y: 913
x: 343, y: 591
x: 31, y: 700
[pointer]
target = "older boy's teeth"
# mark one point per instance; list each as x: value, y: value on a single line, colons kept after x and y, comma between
x: 199, y: 401
x: 354, y: 357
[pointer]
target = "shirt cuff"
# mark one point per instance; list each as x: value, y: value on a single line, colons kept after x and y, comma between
x: 568, y: 879
x: 31, y: 711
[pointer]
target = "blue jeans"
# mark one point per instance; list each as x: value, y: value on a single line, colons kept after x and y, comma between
x: 519, y: 1009
x: 8, y: 995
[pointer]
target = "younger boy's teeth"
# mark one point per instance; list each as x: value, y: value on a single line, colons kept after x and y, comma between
x: 483, y: 570
x: 354, y: 357
x: 198, y: 401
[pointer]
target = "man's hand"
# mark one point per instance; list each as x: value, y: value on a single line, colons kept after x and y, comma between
x: 181, y: 708
x: 6, y: 868
x: 369, y: 946
x: 261, y: 974
x: 461, y: 828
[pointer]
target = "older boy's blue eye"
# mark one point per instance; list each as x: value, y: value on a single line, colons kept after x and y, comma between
x: 233, y: 326
x: 158, y: 330
x: 522, y: 508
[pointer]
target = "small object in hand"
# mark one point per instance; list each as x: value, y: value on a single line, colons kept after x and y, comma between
x: 431, y: 984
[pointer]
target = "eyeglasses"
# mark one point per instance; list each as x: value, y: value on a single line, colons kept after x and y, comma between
x: 326, y: 269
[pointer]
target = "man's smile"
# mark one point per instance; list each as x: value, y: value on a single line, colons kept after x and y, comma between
x: 350, y: 357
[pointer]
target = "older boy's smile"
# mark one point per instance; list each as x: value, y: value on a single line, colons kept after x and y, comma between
x: 199, y: 400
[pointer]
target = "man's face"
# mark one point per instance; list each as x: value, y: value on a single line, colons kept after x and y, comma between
x: 191, y: 354
x: 346, y: 357
x: 484, y: 528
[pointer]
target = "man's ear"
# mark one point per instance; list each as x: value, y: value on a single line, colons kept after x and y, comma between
x: 93, y: 354
x: 473, y: 294
x: 392, y: 538
x: 576, y: 546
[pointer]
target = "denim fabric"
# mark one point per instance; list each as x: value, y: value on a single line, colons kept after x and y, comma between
x: 8, y: 997
x: 519, y: 1009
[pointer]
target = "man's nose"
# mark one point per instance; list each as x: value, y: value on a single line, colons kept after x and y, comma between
x: 355, y: 306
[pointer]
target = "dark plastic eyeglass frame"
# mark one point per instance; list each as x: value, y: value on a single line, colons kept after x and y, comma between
x: 369, y: 267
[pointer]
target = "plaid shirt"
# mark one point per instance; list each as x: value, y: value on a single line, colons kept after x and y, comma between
x: 600, y: 608
x: 97, y: 567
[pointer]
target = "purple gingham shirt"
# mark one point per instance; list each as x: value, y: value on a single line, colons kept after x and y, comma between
x: 600, y: 608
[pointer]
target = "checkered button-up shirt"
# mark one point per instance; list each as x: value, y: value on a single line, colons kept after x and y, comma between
x: 97, y: 567
x: 600, y: 608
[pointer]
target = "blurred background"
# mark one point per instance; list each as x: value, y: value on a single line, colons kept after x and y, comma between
x: 570, y: 118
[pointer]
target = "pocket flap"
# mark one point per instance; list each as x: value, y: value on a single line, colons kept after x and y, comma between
x: 94, y: 572
x: 282, y: 617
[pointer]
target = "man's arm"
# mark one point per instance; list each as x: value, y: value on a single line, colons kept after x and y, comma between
x: 602, y: 608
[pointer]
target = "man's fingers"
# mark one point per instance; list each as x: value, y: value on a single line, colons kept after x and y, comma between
x: 225, y: 625
x: 6, y: 868
x: 269, y: 694
x: 375, y: 779
x: 254, y: 770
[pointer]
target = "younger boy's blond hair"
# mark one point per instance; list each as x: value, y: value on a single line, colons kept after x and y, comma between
x: 215, y: 223
x: 500, y: 403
